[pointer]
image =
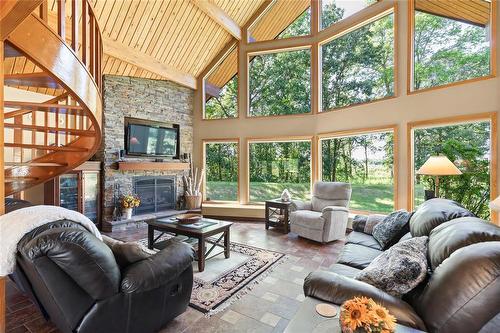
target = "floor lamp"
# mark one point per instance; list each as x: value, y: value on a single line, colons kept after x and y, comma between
x: 438, y: 166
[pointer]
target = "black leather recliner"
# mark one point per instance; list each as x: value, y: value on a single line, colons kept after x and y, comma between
x: 76, y: 280
x: 462, y: 291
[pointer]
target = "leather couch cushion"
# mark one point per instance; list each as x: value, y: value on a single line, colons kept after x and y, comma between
x: 309, y: 219
x: 434, y: 212
x: 361, y: 238
x: 344, y: 270
x: 453, y: 235
x: 463, y: 292
x: 357, y: 256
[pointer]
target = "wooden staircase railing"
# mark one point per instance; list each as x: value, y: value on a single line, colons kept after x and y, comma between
x: 43, y: 140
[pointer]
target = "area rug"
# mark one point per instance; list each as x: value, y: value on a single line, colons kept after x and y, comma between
x: 226, y: 280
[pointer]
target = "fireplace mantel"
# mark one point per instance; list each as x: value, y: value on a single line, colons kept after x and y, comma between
x: 151, y: 166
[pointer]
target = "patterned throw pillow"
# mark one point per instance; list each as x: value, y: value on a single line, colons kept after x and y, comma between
x: 372, y: 221
x: 359, y: 222
x: 399, y: 269
x: 393, y: 227
x: 127, y: 253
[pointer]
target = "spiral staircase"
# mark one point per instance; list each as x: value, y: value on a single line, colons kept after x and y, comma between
x: 46, y: 139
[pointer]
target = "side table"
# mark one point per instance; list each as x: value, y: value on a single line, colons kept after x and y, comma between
x: 278, y: 214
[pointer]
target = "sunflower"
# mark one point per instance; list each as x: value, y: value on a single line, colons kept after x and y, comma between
x: 384, y: 317
x: 355, y: 314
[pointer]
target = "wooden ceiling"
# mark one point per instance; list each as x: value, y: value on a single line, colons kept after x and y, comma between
x: 471, y: 11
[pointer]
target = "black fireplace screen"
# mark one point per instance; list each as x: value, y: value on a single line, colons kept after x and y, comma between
x: 156, y: 193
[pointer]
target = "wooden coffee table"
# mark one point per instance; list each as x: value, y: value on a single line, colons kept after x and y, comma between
x: 168, y: 225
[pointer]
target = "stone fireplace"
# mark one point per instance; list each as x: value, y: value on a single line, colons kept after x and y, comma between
x: 157, y: 193
x: 160, y: 189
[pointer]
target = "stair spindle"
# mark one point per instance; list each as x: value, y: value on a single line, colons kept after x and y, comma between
x: 75, y: 28
x: 84, y: 32
x: 44, y: 11
x: 61, y: 18
x: 92, y: 46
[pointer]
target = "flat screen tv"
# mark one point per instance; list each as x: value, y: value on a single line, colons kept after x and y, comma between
x: 151, y: 139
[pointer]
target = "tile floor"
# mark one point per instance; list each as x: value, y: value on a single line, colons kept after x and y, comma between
x: 268, y: 307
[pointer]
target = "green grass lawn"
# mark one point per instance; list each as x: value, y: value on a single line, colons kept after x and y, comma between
x: 369, y: 197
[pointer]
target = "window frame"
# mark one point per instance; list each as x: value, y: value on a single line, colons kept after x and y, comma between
x: 450, y: 121
x: 363, y: 131
x: 411, y: 60
x: 275, y: 139
x: 204, y: 161
x: 358, y: 25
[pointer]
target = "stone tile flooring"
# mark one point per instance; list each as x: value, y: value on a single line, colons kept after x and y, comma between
x: 268, y: 307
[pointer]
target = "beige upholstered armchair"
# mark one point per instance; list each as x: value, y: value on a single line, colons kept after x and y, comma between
x: 324, y: 218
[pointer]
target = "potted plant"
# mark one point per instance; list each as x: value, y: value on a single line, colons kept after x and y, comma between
x: 192, y: 185
x: 362, y: 314
x: 129, y: 202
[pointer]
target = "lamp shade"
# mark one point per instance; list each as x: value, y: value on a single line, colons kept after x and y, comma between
x: 495, y: 204
x: 438, y: 166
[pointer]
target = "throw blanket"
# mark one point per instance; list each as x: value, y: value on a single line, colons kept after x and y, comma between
x: 16, y: 224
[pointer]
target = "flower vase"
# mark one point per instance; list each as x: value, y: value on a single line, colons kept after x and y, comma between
x: 126, y: 213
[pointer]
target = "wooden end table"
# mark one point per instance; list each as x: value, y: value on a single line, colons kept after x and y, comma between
x: 278, y: 214
x: 168, y: 225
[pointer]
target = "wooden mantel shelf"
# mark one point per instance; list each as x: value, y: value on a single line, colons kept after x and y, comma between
x: 152, y: 166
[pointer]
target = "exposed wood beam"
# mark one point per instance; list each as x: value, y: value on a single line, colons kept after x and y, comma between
x: 149, y: 63
x: 220, y: 16
x: 211, y: 91
x: 13, y: 12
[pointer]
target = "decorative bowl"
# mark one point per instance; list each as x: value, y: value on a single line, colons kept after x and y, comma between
x: 188, y: 218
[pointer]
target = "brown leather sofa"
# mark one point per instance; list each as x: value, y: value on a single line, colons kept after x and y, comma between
x: 462, y: 290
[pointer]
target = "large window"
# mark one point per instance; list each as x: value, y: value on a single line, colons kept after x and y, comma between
x: 366, y: 161
x: 359, y: 66
x: 221, y: 89
x: 451, y: 43
x: 468, y: 146
x: 335, y: 10
x: 275, y: 166
x: 280, y: 83
x: 221, y: 170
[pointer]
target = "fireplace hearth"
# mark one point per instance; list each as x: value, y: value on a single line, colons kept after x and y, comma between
x: 157, y: 193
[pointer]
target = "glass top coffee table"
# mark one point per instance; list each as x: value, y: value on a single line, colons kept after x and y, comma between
x: 201, y: 230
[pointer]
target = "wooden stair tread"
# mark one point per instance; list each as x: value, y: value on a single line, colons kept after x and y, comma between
x: 43, y: 147
x: 40, y: 106
x: 35, y: 164
x: 10, y: 52
x: 71, y: 131
x: 20, y: 179
x: 61, y: 111
x: 40, y: 79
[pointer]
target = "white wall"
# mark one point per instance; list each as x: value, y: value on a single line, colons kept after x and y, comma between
x: 469, y: 98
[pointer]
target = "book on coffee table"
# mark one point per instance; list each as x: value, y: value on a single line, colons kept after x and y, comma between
x: 197, y: 225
